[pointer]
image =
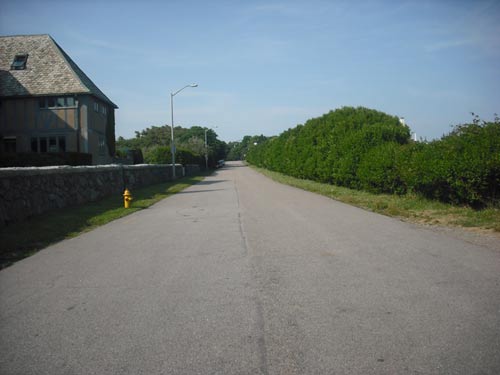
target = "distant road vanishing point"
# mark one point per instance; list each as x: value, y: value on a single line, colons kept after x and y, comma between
x: 241, y: 275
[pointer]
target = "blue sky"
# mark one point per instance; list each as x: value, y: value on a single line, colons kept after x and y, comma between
x: 266, y: 66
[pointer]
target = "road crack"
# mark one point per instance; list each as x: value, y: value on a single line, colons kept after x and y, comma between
x: 259, y: 320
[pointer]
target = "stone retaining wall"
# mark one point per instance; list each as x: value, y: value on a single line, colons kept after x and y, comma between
x: 25, y: 192
x: 192, y: 170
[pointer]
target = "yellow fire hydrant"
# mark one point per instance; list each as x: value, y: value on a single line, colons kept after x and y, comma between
x: 127, y: 197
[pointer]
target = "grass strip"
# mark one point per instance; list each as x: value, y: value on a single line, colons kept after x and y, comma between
x: 23, y: 239
x: 408, y: 207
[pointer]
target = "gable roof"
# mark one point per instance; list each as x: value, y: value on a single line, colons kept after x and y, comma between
x: 49, y: 70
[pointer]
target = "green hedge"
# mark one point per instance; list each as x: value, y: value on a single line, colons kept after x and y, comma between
x: 366, y: 149
x: 162, y: 155
x: 461, y: 167
x: 330, y: 148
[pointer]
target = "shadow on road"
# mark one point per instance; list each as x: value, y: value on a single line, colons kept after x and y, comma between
x: 199, y: 191
x: 210, y: 182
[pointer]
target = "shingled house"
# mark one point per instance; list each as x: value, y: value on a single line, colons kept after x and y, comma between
x: 48, y: 104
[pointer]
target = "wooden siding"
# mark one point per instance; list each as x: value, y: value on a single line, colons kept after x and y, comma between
x: 24, y: 119
x: 25, y: 114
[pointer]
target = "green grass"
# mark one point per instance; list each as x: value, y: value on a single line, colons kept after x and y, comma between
x: 23, y: 239
x: 408, y: 207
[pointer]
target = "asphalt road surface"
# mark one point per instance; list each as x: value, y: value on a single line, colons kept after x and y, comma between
x: 241, y: 275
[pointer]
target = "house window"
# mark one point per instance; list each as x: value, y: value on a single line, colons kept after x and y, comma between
x: 56, y: 102
x: 102, y: 145
x: 43, y: 144
x: 96, y: 106
x: 51, y: 102
x: 53, y: 144
x: 19, y: 62
x: 104, y: 110
x: 10, y: 145
x: 62, y: 143
x: 48, y: 144
x: 34, y: 144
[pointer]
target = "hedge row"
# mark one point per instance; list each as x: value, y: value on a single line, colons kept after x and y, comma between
x: 163, y: 155
x: 366, y: 149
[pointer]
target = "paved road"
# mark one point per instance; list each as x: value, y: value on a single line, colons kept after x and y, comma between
x: 241, y: 275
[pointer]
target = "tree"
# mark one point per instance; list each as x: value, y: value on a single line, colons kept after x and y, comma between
x: 154, y: 142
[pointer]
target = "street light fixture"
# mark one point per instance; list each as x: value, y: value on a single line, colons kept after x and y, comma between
x: 172, y: 146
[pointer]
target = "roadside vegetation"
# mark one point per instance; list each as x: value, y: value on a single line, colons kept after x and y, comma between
x: 153, y: 145
x: 23, y: 239
x: 239, y: 150
x: 367, y: 158
x: 408, y: 207
x: 368, y: 150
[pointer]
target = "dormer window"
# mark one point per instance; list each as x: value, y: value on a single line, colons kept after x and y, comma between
x: 19, y: 62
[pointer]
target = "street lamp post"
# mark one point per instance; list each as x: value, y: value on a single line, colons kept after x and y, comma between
x: 172, y: 146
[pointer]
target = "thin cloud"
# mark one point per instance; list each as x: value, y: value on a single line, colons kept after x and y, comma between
x: 438, y: 46
x: 476, y: 27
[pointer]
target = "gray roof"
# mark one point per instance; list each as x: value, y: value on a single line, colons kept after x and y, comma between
x: 49, y: 70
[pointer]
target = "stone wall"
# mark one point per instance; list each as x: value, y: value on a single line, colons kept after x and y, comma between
x: 192, y: 170
x: 25, y: 192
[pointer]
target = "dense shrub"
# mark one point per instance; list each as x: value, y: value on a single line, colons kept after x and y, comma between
x: 188, y: 157
x: 365, y: 149
x: 156, y: 140
x: 462, y: 167
x: 379, y: 170
x: 158, y: 155
x: 163, y: 155
x: 331, y: 147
